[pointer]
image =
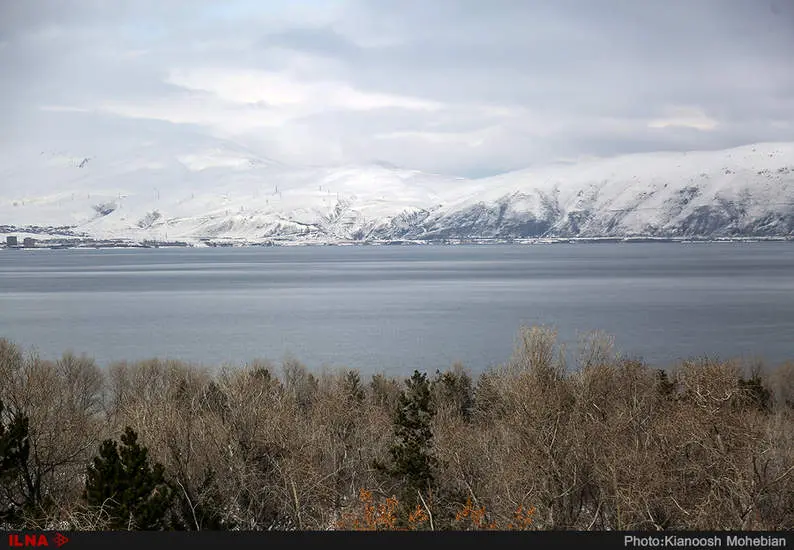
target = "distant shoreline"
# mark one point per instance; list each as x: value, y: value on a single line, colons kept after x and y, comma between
x: 85, y: 243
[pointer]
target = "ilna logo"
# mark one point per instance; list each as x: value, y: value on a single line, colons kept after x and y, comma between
x: 19, y: 540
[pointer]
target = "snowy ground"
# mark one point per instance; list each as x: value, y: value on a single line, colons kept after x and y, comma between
x: 224, y: 192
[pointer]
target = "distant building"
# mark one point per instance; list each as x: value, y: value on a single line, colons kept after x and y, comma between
x: 28, y: 242
x: 11, y: 240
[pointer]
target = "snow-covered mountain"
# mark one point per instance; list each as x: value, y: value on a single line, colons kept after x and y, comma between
x: 218, y: 190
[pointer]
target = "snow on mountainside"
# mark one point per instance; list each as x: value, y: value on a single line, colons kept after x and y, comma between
x: 746, y: 191
x: 219, y: 190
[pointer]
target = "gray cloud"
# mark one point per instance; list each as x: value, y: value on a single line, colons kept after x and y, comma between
x: 459, y: 86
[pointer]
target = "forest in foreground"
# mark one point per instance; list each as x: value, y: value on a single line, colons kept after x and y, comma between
x: 608, y: 443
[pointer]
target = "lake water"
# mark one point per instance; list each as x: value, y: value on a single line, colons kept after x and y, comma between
x: 396, y: 308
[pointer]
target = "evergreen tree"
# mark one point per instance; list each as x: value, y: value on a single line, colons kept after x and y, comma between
x: 454, y: 388
x: 411, y: 453
x: 353, y: 388
x: 201, y: 509
x: 14, y: 453
x: 122, y: 480
x: 664, y: 386
x: 756, y: 393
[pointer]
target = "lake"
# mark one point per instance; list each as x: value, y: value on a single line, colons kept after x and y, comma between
x: 393, y: 309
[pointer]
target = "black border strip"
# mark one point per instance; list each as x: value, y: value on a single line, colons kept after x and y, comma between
x: 121, y: 540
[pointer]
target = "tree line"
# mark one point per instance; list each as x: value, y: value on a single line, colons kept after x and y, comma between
x: 606, y: 443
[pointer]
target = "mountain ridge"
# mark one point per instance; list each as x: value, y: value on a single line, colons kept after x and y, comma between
x: 221, y: 191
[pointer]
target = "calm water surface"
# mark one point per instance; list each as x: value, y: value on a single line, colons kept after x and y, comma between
x: 394, y: 309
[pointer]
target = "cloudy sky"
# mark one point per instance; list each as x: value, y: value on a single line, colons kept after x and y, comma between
x: 465, y: 87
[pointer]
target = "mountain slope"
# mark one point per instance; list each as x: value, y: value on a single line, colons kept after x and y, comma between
x: 747, y: 191
x: 220, y: 190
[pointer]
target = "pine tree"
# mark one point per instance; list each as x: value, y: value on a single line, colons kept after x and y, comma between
x: 664, y: 386
x: 201, y: 508
x: 756, y: 393
x: 122, y: 480
x: 353, y: 388
x: 14, y: 453
x: 411, y: 453
x: 454, y: 388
